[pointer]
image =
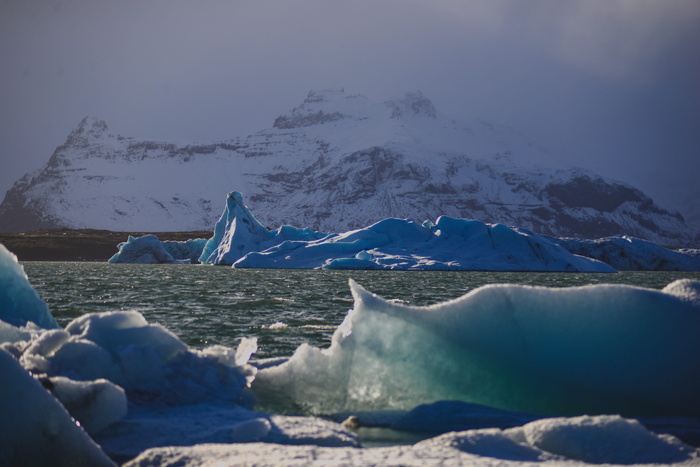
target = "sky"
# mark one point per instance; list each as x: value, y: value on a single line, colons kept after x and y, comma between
x: 609, y: 85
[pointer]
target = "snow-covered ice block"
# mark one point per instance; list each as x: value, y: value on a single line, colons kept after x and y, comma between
x: 146, y: 360
x: 556, y: 351
x: 95, y: 404
x: 19, y: 302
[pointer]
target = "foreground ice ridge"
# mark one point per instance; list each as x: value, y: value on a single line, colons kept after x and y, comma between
x: 132, y: 386
x: 553, y: 351
x: 556, y: 441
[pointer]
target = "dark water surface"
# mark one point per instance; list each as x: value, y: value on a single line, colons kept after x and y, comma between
x: 206, y: 305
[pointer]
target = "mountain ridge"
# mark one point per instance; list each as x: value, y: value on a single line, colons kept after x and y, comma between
x: 334, y: 163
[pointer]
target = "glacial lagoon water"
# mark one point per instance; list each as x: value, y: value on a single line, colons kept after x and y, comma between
x: 207, y: 305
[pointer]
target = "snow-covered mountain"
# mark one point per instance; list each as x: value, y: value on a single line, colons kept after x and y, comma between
x: 334, y: 163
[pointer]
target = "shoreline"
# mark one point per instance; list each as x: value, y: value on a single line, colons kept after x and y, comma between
x: 90, y: 245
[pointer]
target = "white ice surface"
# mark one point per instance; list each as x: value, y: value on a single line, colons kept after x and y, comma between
x: 564, y: 442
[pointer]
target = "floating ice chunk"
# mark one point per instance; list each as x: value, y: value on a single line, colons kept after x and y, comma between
x: 35, y: 429
x: 557, y: 351
x: 19, y: 302
x: 144, y: 250
x: 95, y: 404
x: 148, y: 249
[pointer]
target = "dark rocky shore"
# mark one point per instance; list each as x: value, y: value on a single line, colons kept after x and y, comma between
x: 78, y: 245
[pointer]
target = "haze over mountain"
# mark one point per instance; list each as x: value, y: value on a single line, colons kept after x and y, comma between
x: 336, y: 162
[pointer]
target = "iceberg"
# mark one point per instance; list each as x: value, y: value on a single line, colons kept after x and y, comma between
x: 148, y: 249
x: 550, y: 351
x: 391, y: 244
x: 238, y: 232
x: 19, y: 302
x: 626, y: 253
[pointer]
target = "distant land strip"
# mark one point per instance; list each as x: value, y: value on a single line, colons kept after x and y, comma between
x: 79, y: 244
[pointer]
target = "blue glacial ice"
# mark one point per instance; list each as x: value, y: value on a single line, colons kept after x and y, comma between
x: 397, y: 244
x: 551, y: 351
x: 19, y: 302
x: 148, y: 249
x: 238, y: 233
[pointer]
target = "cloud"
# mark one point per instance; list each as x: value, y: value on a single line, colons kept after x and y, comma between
x: 610, y: 84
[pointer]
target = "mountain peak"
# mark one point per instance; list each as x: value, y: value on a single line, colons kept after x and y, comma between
x: 324, y: 106
x: 411, y: 104
x: 89, y: 129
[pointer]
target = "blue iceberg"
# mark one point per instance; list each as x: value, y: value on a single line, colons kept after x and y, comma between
x: 552, y: 351
x: 238, y: 233
x: 148, y: 249
x: 19, y: 302
x: 391, y: 244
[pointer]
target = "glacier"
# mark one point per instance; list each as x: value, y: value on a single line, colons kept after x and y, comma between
x: 397, y: 244
x: 112, y: 384
x: 583, y: 350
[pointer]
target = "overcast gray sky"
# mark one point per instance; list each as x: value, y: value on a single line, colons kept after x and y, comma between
x: 613, y: 85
